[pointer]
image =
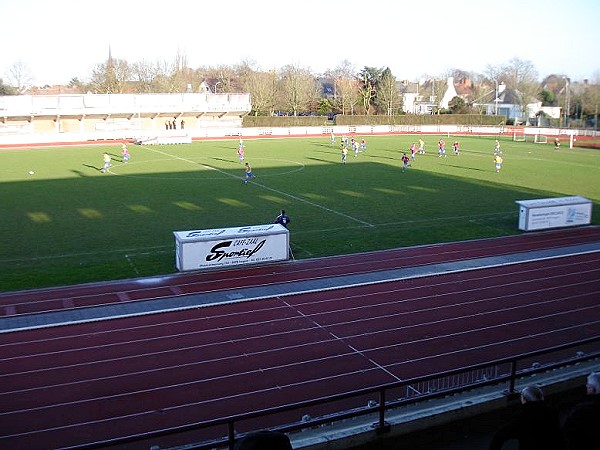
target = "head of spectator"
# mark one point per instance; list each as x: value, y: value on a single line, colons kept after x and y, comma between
x: 593, y: 383
x: 531, y: 394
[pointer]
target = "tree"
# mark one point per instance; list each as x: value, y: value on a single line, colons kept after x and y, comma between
x: 262, y: 87
x: 388, y: 98
x: 520, y: 77
x: 111, y: 77
x: 457, y: 106
x: 5, y: 89
x: 369, y: 80
x: 19, y: 77
x: 298, y: 89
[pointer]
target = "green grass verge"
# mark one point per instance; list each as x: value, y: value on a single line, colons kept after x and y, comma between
x: 69, y: 223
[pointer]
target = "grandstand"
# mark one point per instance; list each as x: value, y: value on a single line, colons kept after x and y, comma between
x: 139, y: 117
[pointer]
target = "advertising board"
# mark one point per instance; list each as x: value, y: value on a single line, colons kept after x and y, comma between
x: 225, y: 247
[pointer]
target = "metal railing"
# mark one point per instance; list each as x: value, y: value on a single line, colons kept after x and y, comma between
x: 502, y: 372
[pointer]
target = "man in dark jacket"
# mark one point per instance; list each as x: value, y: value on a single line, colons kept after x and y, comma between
x: 581, y: 424
x: 282, y: 218
x: 535, y: 426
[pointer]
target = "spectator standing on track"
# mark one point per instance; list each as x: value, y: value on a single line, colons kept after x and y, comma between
x: 535, y: 426
x: 282, y: 218
x: 580, y: 424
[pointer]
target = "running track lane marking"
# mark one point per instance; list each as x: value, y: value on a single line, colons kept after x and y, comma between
x: 154, y: 306
x: 341, y: 339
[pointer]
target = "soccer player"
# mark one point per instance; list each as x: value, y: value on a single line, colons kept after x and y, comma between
x: 106, y: 158
x: 413, y: 151
x: 456, y: 147
x: 497, y: 150
x: 441, y: 148
x: 248, y: 173
x: 498, y: 161
x: 332, y: 138
x: 405, y: 162
x: 421, y: 147
x: 125, y: 152
x: 241, y: 153
x: 355, y: 147
x: 363, y: 145
x: 344, y: 153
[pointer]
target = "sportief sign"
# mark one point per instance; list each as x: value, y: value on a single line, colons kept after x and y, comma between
x: 540, y: 214
x: 202, y: 249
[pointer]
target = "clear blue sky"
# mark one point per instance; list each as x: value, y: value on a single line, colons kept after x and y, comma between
x: 61, y: 39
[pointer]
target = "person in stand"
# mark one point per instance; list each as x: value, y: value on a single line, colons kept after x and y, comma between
x: 282, y: 218
x: 535, y: 426
x: 581, y: 422
x: 264, y: 440
x: 248, y: 173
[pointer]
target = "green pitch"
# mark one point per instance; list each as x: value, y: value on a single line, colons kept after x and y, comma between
x: 69, y: 223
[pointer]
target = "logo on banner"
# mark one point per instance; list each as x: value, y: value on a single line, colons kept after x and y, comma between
x: 240, y: 248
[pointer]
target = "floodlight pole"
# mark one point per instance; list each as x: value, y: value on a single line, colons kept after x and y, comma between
x: 496, y: 98
x: 567, y: 101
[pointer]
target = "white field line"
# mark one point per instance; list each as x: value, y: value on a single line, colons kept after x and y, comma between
x: 285, y: 194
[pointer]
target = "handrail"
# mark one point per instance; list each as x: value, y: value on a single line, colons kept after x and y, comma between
x: 380, y: 408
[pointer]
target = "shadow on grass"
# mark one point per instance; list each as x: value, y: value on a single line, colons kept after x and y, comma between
x: 70, y: 226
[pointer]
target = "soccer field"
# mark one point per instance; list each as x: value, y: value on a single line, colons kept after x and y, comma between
x: 70, y: 223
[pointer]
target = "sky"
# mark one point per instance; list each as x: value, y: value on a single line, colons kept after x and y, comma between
x: 57, y: 40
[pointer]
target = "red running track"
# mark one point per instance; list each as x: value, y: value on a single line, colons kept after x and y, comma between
x: 119, y: 292
x: 74, y: 384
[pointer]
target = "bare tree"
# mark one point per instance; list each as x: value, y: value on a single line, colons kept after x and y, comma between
x: 348, y: 93
x: 111, y: 77
x: 298, y: 89
x: 19, y: 77
x: 262, y: 87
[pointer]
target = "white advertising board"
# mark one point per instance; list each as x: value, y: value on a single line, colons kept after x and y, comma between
x: 558, y: 212
x: 225, y: 247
